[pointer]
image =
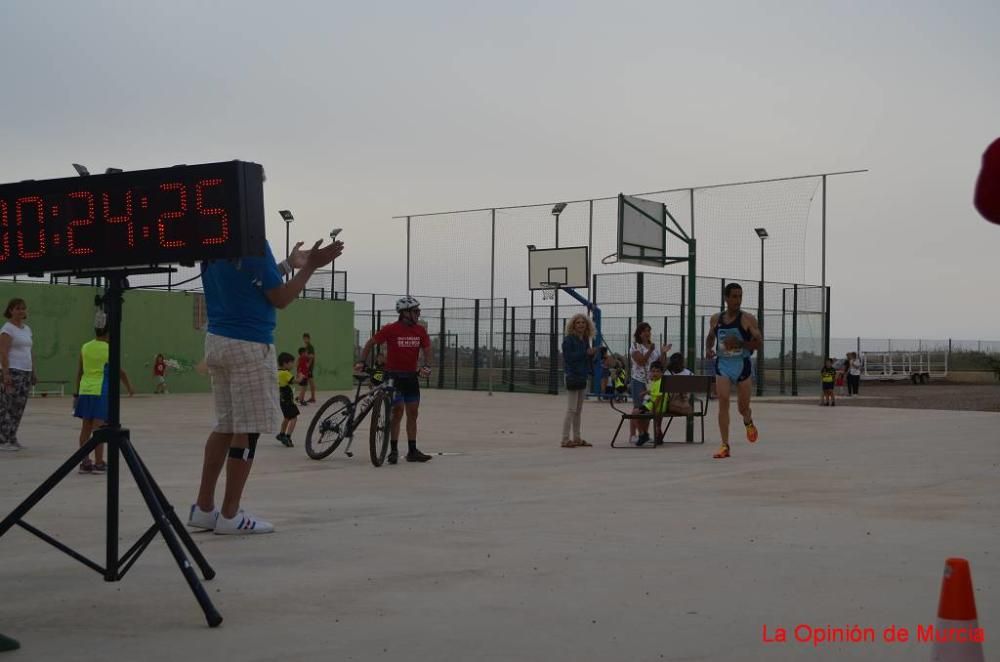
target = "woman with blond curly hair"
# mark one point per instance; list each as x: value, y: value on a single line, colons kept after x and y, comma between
x: 577, y: 357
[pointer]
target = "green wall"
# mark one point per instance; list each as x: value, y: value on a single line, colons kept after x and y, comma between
x: 61, y: 318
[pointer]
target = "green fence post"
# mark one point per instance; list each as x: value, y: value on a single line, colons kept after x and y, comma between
x: 760, y: 325
x: 503, y: 342
x: 684, y: 326
x: 781, y: 380
x: 532, y: 377
x: 442, y: 342
x: 513, y: 336
x: 553, y: 353
x: 475, y: 348
x: 692, y: 284
x: 795, y: 339
x: 639, y: 294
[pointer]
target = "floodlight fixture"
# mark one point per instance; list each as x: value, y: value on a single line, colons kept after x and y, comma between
x: 531, y: 247
x: 112, y: 171
x: 286, y: 215
x: 81, y: 170
x: 761, y: 232
x: 558, y: 208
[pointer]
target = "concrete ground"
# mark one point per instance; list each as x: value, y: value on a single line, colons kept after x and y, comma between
x: 517, y: 549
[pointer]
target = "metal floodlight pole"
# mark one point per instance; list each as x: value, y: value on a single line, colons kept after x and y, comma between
x: 287, y: 217
x: 493, y: 253
x: 826, y: 309
x: 557, y: 209
x: 762, y: 234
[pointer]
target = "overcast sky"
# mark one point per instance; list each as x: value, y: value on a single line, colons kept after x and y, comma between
x: 361, y: 111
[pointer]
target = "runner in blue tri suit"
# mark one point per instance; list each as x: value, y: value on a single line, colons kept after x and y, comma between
x: 738, y: 336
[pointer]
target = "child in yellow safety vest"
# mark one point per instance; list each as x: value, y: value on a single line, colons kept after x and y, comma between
x: 90, y: 397
x: 656, y: 400
x: 621, y: 383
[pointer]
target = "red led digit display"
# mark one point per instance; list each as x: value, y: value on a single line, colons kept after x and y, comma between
x: 219, y: 213
x: 5, y: 231
x: 29, y: 224
x: 179, y: 212
x: 124, y: 218
x: 87, y: 199
x: 177, y: 215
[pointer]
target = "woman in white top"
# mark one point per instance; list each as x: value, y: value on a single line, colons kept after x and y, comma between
x: 643, y: 352
x: 854, y: 367
x: 17, y: 365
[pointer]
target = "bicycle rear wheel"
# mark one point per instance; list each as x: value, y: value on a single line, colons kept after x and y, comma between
x: 328, y: 427
x: 381, y: 423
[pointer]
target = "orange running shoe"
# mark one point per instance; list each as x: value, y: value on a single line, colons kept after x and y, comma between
x: 751, y: 432
x: 722, y: 454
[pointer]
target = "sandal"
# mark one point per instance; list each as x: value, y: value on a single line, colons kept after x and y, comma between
x: 583, y: 442
x: 722, y: 454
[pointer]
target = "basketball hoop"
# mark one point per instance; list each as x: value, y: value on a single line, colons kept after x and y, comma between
x: 609, y: 259
x: 549, y: 294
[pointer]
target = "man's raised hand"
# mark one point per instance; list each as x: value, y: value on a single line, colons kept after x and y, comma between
x: 297, y: 258
x: 317, y: 258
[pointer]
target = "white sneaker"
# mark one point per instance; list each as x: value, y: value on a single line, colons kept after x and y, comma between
x: 199, y: 519
x: 633, y: 439
x: 242, y: 525
x: 9, y: 447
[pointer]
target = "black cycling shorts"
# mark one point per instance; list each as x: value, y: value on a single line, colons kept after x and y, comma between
x: 407, y: 387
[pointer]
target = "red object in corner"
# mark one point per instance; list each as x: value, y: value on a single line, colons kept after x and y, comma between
x: 987, y: 199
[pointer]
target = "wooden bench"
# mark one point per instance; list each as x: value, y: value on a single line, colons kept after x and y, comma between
x: 55, y: 387
x: 698, y: 388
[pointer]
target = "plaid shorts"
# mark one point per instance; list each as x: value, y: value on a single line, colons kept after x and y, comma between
x: 244, y: 385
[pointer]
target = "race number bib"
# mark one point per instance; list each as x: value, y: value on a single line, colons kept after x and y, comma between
x: 730, y: 343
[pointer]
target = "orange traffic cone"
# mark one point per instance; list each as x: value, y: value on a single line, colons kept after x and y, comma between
x: 957, y: 637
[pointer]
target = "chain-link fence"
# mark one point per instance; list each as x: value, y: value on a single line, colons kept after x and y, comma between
x: 522, y: 350
x: 482, y: 254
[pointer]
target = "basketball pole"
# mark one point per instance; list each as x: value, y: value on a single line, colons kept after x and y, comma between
x: 691, y: 345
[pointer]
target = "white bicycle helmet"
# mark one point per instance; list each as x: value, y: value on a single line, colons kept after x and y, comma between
x: 406, y: 303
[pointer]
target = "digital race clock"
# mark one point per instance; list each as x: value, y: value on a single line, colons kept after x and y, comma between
x: 166, y: 216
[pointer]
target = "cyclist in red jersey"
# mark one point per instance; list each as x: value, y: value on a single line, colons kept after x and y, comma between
x: 404, y: 339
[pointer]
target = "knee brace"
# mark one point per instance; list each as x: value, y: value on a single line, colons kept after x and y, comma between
x: 246, y: 454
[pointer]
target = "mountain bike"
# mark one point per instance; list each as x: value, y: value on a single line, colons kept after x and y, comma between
x: 340, y: 417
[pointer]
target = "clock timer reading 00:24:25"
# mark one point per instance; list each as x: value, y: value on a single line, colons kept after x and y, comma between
x: 165, y: 216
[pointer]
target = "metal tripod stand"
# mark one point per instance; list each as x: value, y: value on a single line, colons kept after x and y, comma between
x: 119, y: 446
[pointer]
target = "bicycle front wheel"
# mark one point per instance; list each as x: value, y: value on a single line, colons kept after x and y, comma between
x: 328, y: 427
x: 378, y: 435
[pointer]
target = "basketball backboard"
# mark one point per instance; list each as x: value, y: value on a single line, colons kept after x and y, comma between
x: 642, y: 231
x: 551, y: 268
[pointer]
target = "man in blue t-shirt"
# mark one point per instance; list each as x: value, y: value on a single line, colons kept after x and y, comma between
x: 241, y: 297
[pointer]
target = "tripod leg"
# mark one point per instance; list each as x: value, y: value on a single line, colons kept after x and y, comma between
x: 128, y: 453
x: 182, y: 533
x: 50, y: 482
